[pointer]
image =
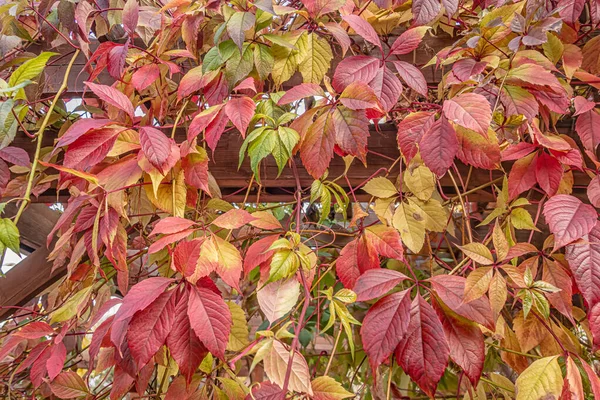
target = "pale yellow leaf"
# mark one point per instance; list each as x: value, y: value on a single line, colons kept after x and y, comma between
x: 327, y: 388
x: 420, y: 181
x: 380, y: 187
x: 478, y: 252
x: 436, y: 215
x: 167, y: 192
x: 315, y: 58
x: 277, y: 298
x: 477, y: 283
x: 276, y: 362
x: 542, y: 380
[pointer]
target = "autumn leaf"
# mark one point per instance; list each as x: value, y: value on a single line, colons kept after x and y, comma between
x: 276, y: 364
x: 569, y: 219
x: 326, y: 388
x: 469, y: 110
x: 277, y: 298
x: 543, y: 378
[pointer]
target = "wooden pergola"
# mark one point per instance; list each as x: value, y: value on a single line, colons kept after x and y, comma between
x: 33, y: 274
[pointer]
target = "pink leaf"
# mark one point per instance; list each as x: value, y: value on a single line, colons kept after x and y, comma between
x: 130, y: 17
x: 424, y: 11
x: 210, y: 319
x: 113, y: 97
x: 409, y: 40
x: 549, y: 173
x: 233, y: 219
x: 56, y: 361
x: 377, y: 282
x: 301, y: 91
x: 387, y: 88
x: 410, y: 131
x: 35, y: 330
x: 384, y: 326
x: 169, y: 225
x: 355, y: 68
x: 363, y: 28
x: 356, y: 258
x: 15, y: 155
x: 167, y: 240
x: 588, y: 129
x: 413, y: 77
x: 584, y: 261
x: 80, y: 128
x: 568, y: 218
x: 156, y: 147
x: 522, y: 175
x: 470, y: 110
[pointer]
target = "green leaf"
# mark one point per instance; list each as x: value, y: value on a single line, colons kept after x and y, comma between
x: 237, y: 26
x: 284, y: 264
x: 8, y: 123
x: 9, y: 235
x: 30, y: 69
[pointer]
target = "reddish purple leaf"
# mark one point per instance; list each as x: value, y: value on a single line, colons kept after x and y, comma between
x: 301, y: 91
x: 355, y: 68
x: 156, y: 147
x: 410, y: 131
x: 438, y: 146
x: 56, y: 361
x: 113, y: 97
x: 413, y: 77
x: 384, y: 326
x: 15, y: 155
x: 363, y: 28
x: 145, y: 76
x: 409, y: 40
x: 470, y: 110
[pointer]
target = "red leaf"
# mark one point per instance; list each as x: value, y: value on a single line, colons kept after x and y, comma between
x: 355, y: 68
x: 210, y: 319
x: 195, y: 169
x: 316, y: 148
x: 35, y: 330
x: 584, y: 261
x: 549, y: 173
x: 215, y: 129
x: 301, y: 91
x: 423, y: 352
x: 384, y: 326
x: 570, y: 10
x: 169, y: 225
x: 56, y: 361
x: 193, y: 81
x: 386, y: 241
x: 149, y: 328
x: 450, y: 289
x: 555, y: 274
x: 356, y: 257
x: 351, y: 131
x: 593, y: 378
x: 377, y: 282
x: 410, y: 131
x: 156, y: 147
x: 91, y: 148
x: 116, y: 60
x: 438, y: 146
x: 470, y: 110
x: 145, y: 76
x: 113, y: 97
x: 185, y: 347
x: 138, y: 298
x: 582, y: 105
x: 465, y: 341
x: 568, y: 218
x: 186, y: 255
x: 240, y: 111
x: 258, y: 253
x: 517, y: 151
x: 15, y: 155
x: 413, y: 77
x: 359, y: 96
x: 424, y: 11
x: 593, y: 191
x: 409, y: 40
x: 588, y: 129
x: 362, y: 28
x: 522, y: 176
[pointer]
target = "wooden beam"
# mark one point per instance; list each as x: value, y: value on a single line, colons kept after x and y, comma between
x: 33, y: 274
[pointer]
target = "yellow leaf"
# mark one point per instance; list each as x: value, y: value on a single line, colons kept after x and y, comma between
x: 497, y: 293
x: 380, y: 187
x: 542, y: 380
x: 283, y: 264
x: 477, y: 283
x: 327, y: 388
x: 478, y: 252
x: 166, y: 193
x: 420, y: 181
x: 410, y: 222
x: 238, y: 338
x: 277, y: 298
x: 221, y: 256
x: 286, y: 58
x: 521, y: 219
x: 500, y: 242
x: 315, y: 58
x: 436, y: 215
x: 276, y: 362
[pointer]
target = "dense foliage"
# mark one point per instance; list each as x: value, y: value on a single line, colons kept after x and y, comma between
x: 468, y: 266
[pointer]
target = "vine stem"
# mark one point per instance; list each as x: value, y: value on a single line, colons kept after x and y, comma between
x: 300, y: 322
x: 40, y: 137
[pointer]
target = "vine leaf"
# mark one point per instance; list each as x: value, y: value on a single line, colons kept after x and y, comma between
x: 276, y: 364
x: 542, y: 379
x: 377, y: 282
x: 568, y: 218
x: 384, y: 326
x: 210, y: 319
x: 113, y: 97
x: 470, y: 110
x: 327, y: 388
